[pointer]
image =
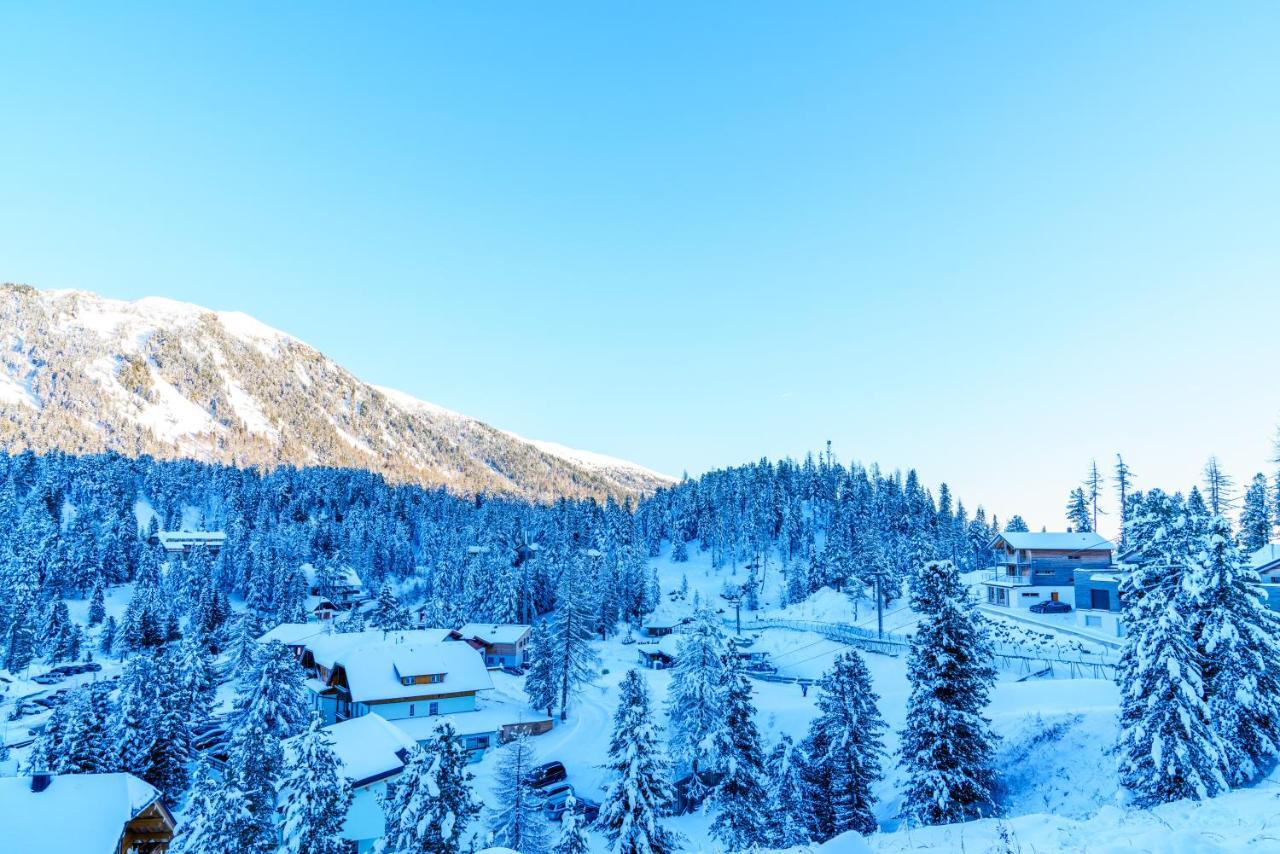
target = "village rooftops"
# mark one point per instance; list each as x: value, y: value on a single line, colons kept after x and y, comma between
x: 80, y: 813
x: 330, y: 649
x: 1053, y: 541
x: 378, y: 672
x: 490, y: 633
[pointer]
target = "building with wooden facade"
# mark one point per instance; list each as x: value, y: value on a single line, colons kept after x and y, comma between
x: 502, y: 645
x: 85, y: 814
x: 1037, y: 567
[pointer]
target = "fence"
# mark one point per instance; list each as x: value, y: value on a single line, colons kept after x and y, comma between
x: 1028, y: 662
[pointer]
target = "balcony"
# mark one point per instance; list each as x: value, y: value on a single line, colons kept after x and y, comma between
x: 1010, y: 576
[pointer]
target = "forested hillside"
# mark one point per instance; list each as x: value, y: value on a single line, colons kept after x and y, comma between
x: 83, y: 374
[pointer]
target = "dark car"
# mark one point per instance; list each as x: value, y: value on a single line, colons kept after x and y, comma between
x: 1050, y: 607
x: 546, y: 774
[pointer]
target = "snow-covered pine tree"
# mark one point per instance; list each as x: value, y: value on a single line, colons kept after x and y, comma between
x: 193, y: 830
x: 540, y: 682
x: 275, y: 701
x: 134, y: 724
x: 107, y: 640
x: 387, y: 612
x: 1016, y: 524
x: 786, y: 818
x: 573, y: 831
x: 1078, y: 511
x: 849, y: 729
x: 1168, y: 749
x: 947, y: 745
x: 316, y: 795
x: 429, y: 806
x: 241, y: 815
x: 639, y: 791
x: 169, y: 766
x: 197, y: 678
x: 518, y: 821
x: 1255, y: 516
x: 695, y: 699
x: 1238, y: 642
x: 97, y: 604
x: 740, y: 798
x: 88, y: 748
x: 571, y: 634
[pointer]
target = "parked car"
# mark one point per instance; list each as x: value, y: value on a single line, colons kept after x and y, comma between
x: 553, y: 800
x: 546, y: 774
x: 557, y: 805
x: 513, y: 671
x: 1050, y: 606
x: 47, y: 678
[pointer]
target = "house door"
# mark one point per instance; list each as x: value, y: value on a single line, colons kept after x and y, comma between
x: 1054, y: 596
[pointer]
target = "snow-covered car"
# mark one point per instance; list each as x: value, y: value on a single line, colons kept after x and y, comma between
x: 546, y: 774
x: 1050, y: 606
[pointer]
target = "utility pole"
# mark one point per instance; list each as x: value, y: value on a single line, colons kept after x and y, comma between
x: 879, y: 606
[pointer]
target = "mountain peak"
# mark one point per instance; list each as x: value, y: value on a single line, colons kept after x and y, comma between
x: 84, y: 373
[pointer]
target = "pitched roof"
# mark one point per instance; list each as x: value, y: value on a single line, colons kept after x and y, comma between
x: 84, y: 813
x: 1265, y: 557
x: 490, y: 633
x: 329, y: 649
x: 1054, y: 540
x: 374, y: 671
x: 368, y: 747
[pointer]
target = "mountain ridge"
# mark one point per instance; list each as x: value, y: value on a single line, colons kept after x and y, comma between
x: 83, y: 373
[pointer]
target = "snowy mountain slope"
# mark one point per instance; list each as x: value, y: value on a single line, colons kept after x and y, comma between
x: 84, y: 374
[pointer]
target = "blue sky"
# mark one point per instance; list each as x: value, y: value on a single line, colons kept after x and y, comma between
x: 992, y: 242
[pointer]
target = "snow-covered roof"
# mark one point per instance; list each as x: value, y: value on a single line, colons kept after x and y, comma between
x: 292, y: 634
x: 84, y: 813
x: 178, y: 540
x: 1265, y: 557
x: 490, y: 633
x: 663, y: 617
x: 369, y: 747
x: 479, y: 722
x: 329, y: 649
x: 346, y: 574
x: 373, y: 674
x: 1056, y: 540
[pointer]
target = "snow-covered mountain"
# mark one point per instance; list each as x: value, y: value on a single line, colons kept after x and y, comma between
x: 81, y: 373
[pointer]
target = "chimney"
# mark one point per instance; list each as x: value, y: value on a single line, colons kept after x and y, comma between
x: 41, y: 780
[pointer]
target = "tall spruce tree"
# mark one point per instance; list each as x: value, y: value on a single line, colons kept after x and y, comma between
x: 1238, y: 643
x: 786, y: 816
x: 1078, y: 511
x: 849, y: 752
x: 573, y: 831
x: 540, y: 683
x: 1255, y: 516
x: 315, y: 793
x: 518, y: 821
x: 695, y: 698
x: 1167, y: 746
x: 639, y: 791
x: 429, y: 806
x: 947, y: 745
x: 740, y: 798
x: 571, y: 633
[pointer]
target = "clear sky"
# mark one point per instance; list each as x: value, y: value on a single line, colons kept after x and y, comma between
x: 991, y: 241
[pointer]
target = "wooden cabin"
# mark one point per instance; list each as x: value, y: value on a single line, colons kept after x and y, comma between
x: 85, y: 814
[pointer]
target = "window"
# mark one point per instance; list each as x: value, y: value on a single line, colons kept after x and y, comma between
x: 1030, y: 595
x: 1093, y: 621
x: 411, y: 710
x: 1100, y: 600
x: 433, y: 708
